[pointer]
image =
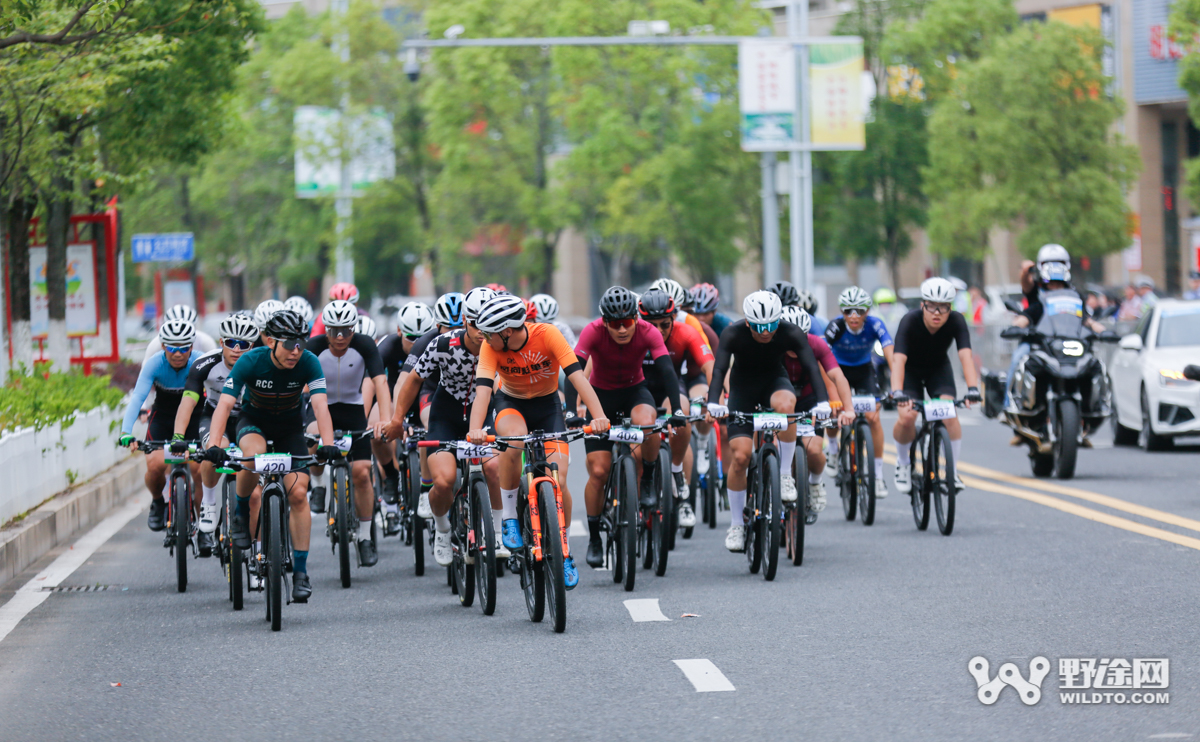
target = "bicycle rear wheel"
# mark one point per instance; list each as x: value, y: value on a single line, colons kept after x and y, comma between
x: 181, y: 523
x: 273, y: 543
x: 770, y: 521
x: 626, y: 524
x: 942, y: 484
x: 752, y: 512
x: 233, y: 555
x: 864, y: 475
x: 418, y: 523
x: 662, y: 520
x: 484, y: 534
x: 345, y: 510
x: 533, y: 575
x: 920, y: 492
x: 552, y: 557
x: 464, y: 573
x: 795, y: 517
x: 845, y: 477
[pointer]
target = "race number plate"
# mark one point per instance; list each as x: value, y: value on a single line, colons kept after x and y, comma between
x: 344, y: 443
x: 466, y: 450
x: 625, y: 435
x: 939, y: 409
x: 272, y: 463
x: 805, y: 431
x: 863, y: 404
x: 771, y: 421
x: 234, y: 453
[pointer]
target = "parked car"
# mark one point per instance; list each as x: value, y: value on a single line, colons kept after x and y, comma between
x: 1152, y: 401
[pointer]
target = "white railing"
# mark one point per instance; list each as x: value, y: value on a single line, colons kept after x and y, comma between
x: 35, y: 465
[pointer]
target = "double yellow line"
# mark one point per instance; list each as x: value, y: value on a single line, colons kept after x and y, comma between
x: 1032, y: 490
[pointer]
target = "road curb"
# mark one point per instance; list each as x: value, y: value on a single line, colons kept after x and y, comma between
x: 56, y: 521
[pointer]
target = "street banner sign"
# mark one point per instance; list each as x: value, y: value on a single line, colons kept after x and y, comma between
x: 835, y: 78
x: 767, y: 94
x: 163, y: 248
x: 81, y: 292
x: 318, y: 131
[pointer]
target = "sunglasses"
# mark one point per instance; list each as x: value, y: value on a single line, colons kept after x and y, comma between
x: 937, y: 308
x: 411, y: 337
x: 620, y: 324
x: 177, y: 349
x: 856, y: 312
x: 339, y: 332
x: 291, y: 344
x: 236, y: 344
x: 764, y: 327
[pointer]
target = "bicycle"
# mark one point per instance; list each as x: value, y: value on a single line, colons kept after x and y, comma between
x: 342, y: 516
x: 540, y: 512
x: 764, y: 502
x: 933, y: 464
x: 797, y: 515
x: 229, y: 556
x: 410, y: 480
x: 181, y: 526
x: 856, y: 466
x: 472, y: 534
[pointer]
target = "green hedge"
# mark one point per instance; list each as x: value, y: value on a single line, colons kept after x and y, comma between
x: 38, y: 401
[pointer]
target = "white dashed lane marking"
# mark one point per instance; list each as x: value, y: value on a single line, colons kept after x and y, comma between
x: 645, y: 609
x: 705, y: 676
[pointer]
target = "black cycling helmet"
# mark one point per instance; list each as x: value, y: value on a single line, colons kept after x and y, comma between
x: 286, y: 324
x: 656, y: 304
x: 787, y: 293
x: 618, y: 302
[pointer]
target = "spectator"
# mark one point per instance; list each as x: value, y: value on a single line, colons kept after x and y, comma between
x: 1194, y: 283
x: 1145, y: 290
x: 978, y: 305
x: 1131, y: 308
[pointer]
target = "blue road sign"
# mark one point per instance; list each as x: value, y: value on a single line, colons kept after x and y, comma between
x: 175, y: 246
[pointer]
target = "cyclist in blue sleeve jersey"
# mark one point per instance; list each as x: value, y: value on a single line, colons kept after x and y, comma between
x: 852, y: 337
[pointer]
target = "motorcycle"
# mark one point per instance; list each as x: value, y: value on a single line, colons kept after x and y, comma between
x: 1059, y: 393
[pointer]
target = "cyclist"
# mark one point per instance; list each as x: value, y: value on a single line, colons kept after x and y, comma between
x: 452, y: 358
x: 203, y: 343
x: 366, y: 326
x: 888, y: 308
x: 806, y: 398
x: 683, y: 345
x: 413, y: 321
x: 165, y: 374
x: 526, y: 359
x: 207, y: 376
x: 615, y: 345
x: 920, y: 365
x: 300, y: 306
x: 547, y: 311
x: 808, y: 303
x: 756, y: 347
x: 273, y: 379
x: 347, y: 358
x: 680, y: 296
x: 852, y: 338
x: 263, y: 312
x: 706, y: 298
x: 337, y: 292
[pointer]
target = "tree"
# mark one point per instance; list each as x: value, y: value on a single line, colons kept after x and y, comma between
x: 1185, y: 24
x: 1021, y: 140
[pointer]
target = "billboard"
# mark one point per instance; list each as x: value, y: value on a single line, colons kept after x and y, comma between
x: 1155, y: 55
x: 767, y: 94
x: 81, y: 291
x: 835, y: 73
x: 318, y: 132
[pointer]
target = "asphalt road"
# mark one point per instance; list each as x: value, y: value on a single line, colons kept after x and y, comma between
x: 869, y: 639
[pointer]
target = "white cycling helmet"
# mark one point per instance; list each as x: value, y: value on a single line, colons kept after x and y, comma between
x: 474, y: 301
x: 177, y: 332
x: 238, y: 327
x: 300, y: 306
x: 798, y: 317
x: 762, y: 308
x: 1052, y: 253
x: 181, y: 311
x: 938, y: 290
x: 263, y: 312
x: 502, y: 312
x: 415, y: 319
x: 339, y: 313
x: 365, y: 326
x: 547, y: 307
x: 854, y: 298
x: 672, y: 287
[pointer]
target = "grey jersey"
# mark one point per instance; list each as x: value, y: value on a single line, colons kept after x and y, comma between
x: 344, y: 374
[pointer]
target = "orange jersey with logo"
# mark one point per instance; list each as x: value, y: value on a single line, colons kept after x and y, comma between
x: 531, y: 371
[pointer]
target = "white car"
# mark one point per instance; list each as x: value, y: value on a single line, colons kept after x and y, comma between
x: 1152, y: 402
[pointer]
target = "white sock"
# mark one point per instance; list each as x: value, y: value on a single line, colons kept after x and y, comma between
x: 676, y: 468
x: 364, y: 530
x: 833, y: 446
x: 956, y: 449
x: 508, y: 503
x: 737, y: 501
x: 210, y: 495
x: 814, y: 477
x: 879, y: 468
x: 902, y: 454
x: 167, y: 489
x: 787, y: 450
x: 442, y: 522
x: 496, y: 520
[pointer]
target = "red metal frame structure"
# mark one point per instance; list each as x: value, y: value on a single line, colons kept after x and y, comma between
x: 109, y: 219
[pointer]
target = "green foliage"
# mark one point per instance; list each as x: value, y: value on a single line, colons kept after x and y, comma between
x: 1022, y: 141
x: 1185, y: 24
x: 41, y: 400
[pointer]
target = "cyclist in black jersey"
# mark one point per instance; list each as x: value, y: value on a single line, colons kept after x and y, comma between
x: 920, y: 366
x: 413, y: 321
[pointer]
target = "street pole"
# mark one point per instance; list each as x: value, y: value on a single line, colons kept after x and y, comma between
x: 770, y: 214
x: 344, y: 258
x: 800, y: 203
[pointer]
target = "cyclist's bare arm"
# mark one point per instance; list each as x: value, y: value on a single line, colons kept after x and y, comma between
x: 320, y: 406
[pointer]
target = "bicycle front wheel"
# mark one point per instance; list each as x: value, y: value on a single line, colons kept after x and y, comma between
x: 485, y: 547
x: 233, y: 555
x: 626, y: 525
x: 273, y: 543
x: 533, y: 573
x: 942, y: 485
x: 662, y: 522
x: 345, y: 510
x: 845, y: 477
x: 919, y: 494
x: 464, y: 573
x: 796, y: 516
x: 771, y: 519
x: 864, y: 474
x: 418, y: 523
x: 552, y: 557
x: 181, y: 523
